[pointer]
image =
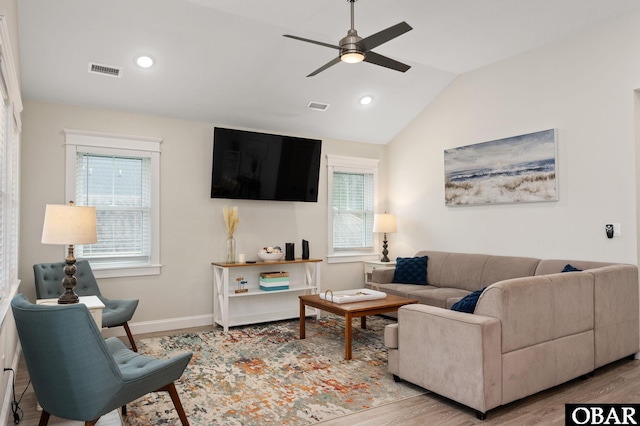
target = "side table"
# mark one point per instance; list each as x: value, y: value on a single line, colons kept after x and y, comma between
x: 370, y: 265
x: 93, y: 303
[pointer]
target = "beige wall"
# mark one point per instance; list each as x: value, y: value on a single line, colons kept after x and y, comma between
x: 192, y: 227
x: 584, y: 87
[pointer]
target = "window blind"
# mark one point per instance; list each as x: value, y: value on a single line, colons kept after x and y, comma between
x: 353, y: 210
x: 5, y: 198
x: 120, y: 189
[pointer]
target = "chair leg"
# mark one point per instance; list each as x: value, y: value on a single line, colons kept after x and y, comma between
x: 171, y: 388
x: 130, y: 336
x: 44, y: 418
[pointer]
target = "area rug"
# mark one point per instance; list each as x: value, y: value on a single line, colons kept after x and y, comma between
x: 264, y: 374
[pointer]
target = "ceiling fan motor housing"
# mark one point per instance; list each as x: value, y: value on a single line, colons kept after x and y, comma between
x: 351, y: 48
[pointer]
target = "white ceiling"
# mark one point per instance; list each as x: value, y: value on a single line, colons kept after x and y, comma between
x: 226, y: 62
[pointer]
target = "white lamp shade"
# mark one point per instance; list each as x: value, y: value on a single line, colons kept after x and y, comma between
x: 69, y: 225
x: 385, y: 223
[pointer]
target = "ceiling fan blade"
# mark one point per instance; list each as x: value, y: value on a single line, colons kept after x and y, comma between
x: 325, y: 66
x: 383, y: 61
x: 384, y: 36
x: 312, y: 41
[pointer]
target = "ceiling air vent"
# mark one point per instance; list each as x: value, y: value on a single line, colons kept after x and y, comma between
x: 104, y: 70
x: 318, y: 106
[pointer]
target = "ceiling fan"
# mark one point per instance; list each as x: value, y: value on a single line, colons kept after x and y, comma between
x: 354, y: 48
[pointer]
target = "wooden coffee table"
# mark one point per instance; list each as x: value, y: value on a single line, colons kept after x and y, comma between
x: 351, y: 310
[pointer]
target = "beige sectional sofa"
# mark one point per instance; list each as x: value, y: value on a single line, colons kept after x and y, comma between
x: 533, y: 327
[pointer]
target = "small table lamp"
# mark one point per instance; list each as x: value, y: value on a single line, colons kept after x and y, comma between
x: 385, y: 223
x: 69, y: 225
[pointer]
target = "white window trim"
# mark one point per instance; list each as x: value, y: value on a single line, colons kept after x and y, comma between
x: 355, y: 165
x: 82, y: 141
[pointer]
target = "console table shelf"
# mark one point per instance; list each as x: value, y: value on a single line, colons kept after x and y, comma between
x: 254, y: 306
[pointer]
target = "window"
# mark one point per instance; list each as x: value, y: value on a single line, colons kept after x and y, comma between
x: 10, y: 127
x: 352, y: 200
x: 119, y: 175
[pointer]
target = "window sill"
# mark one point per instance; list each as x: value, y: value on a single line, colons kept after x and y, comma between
x: 125, y: 271
x: 352, y: 257
x: 5, y: 303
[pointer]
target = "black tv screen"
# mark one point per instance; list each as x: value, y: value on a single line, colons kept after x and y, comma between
x: 261, y: 166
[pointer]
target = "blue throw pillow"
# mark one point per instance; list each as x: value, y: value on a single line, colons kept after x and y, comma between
x: 468, y: 303
x: 570, y: 268
x: 411, y: 270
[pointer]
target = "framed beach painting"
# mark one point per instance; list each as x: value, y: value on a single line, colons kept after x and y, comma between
x: 519, y: 169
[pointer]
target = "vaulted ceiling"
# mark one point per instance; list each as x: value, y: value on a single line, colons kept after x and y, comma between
x: 226, y: 62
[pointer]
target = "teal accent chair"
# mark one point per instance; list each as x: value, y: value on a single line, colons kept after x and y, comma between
x: 117, y: 313
x: 77, y: 374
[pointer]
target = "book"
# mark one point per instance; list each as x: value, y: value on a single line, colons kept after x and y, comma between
x: 276, y: 274
x: 274, y: 280
x: 274, y: 288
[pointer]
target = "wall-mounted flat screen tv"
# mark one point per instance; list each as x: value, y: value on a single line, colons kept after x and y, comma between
x: 261, y: 166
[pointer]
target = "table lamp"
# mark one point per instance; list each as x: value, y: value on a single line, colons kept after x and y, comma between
x: 69, y: 225
x: 385, y: 223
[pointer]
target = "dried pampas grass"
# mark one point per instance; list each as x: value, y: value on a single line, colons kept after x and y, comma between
x: 231, y: 219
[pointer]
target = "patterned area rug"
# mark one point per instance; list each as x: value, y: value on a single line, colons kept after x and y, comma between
x: 264, y: 374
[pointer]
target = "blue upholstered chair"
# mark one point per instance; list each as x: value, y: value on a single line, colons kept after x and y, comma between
x: 48, y: 279
x: 78, y: 375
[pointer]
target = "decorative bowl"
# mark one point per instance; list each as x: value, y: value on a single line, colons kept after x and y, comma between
x: 270, y: 257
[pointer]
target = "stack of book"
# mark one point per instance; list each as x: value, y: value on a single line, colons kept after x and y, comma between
x: 271, y: 281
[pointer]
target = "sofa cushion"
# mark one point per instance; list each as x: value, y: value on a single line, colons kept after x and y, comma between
x: 402, y: 290
x: 463, y: 271
x: 391, y: 336
x: 500, y: 268
x: 468, y: 303
x: 436, y: 296
x: 411, y: 270
x: 553, y: 266
x: 533, y: 310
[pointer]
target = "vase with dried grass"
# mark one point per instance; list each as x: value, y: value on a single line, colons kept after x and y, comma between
x: 231, y: 220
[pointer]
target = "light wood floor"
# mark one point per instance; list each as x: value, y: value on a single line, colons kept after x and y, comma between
x: 616, y: 383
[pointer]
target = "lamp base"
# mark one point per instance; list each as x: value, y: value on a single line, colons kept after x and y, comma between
x: 69, y: 282
x: 385, y: 252
x: 68, y: 298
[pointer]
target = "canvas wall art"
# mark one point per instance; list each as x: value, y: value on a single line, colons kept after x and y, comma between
x: 519, y: 169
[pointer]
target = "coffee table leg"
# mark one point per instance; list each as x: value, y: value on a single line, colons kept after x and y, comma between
x: 363, y: 322
x: 302, y: 320
x: 347, y: 336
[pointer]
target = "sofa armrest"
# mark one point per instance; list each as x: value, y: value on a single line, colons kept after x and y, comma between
x: 454, y: 354
x: 382, y: 275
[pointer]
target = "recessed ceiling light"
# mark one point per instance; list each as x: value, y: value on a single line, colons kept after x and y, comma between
x: 144, y: 62
x: 366, y: 100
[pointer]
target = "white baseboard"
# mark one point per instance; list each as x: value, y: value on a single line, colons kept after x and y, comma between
x: 160, y: 325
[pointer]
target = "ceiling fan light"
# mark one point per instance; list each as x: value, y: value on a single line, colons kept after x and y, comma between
x: 352, y: 57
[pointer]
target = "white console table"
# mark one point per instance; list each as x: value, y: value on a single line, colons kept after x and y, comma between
x: 254, y: 306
